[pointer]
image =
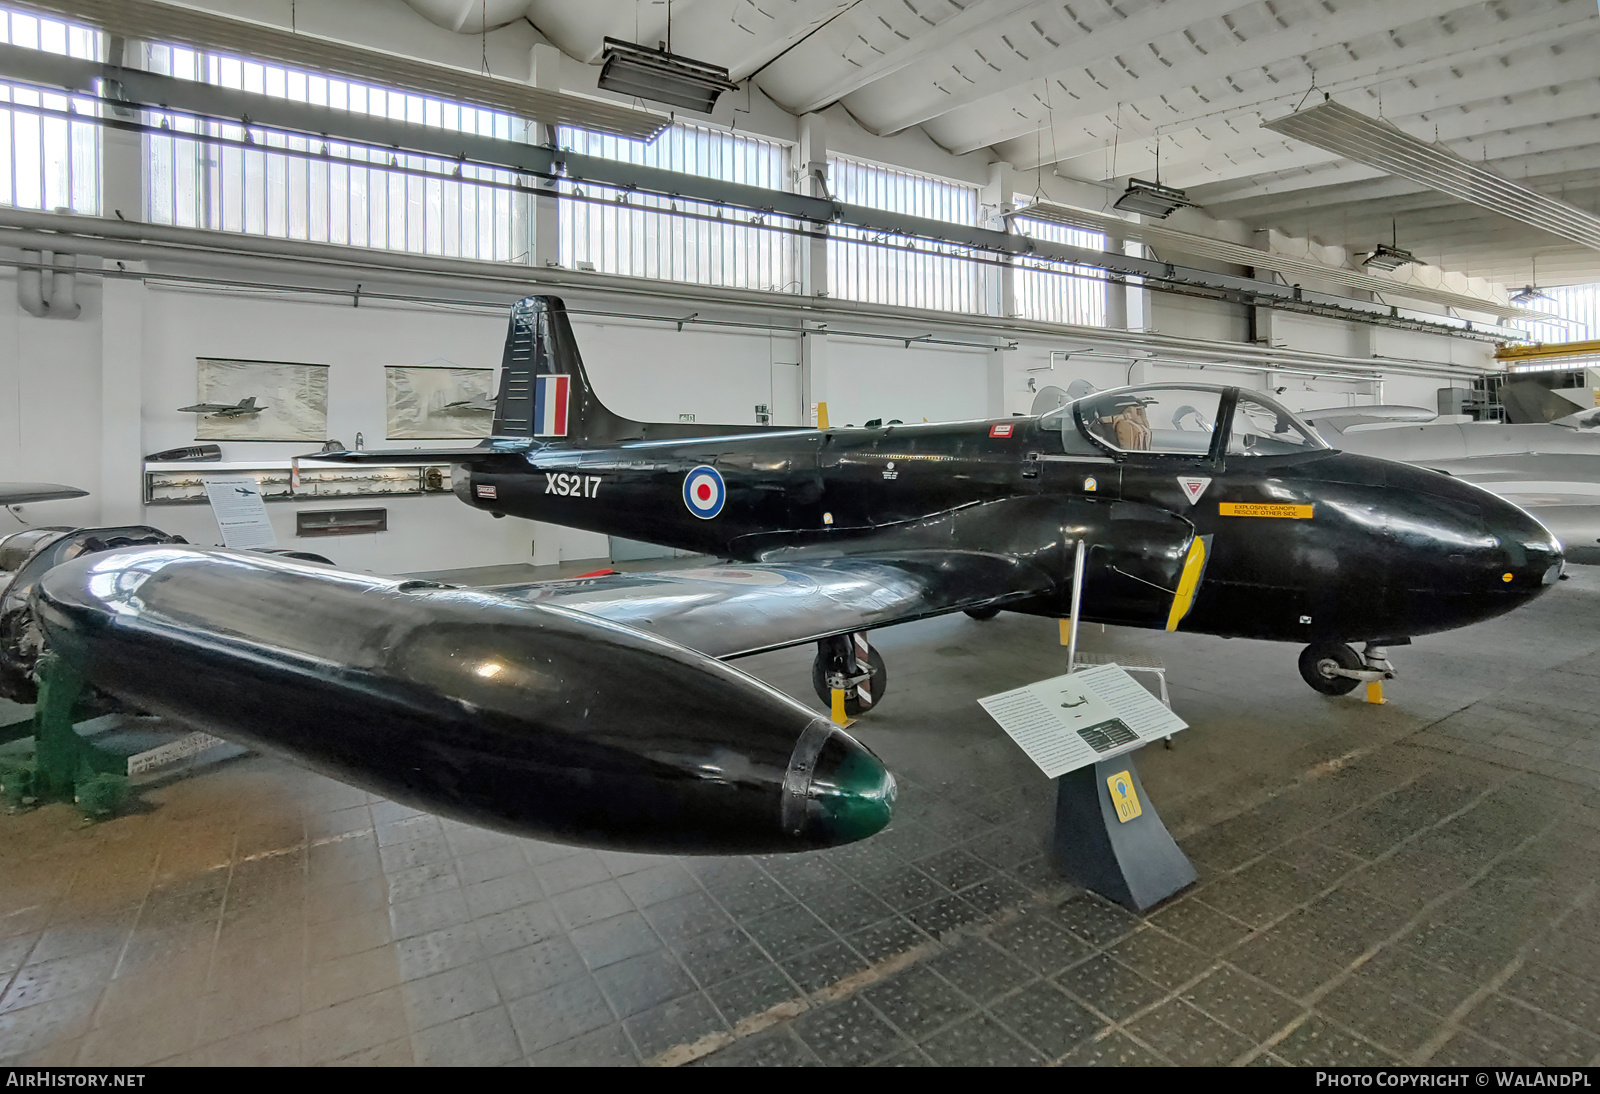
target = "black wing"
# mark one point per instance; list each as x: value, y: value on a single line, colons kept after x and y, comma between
x: 741, y: 609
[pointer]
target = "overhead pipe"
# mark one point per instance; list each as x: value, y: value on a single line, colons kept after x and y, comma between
x: 63, y: 302
x: 140, y: 242
x: 47, y: 285
x: 30, y: 285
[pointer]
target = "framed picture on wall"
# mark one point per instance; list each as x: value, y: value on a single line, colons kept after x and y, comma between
x: 433, y: 402
x: 290, y: 400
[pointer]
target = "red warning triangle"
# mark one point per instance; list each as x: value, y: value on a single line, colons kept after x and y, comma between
x: 1193, y: 486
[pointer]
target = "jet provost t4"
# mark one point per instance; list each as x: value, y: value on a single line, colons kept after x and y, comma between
x: 1203, y: 508
x: 603, y: 710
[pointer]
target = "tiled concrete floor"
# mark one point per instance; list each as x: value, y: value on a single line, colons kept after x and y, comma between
x: 1407, y: 883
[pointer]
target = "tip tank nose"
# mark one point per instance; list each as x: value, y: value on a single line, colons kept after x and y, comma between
x: 534, y: 720
x: 835, y: 791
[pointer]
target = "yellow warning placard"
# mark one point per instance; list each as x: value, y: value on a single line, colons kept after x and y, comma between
x: 1124, y: 796
x: 1264, y: 509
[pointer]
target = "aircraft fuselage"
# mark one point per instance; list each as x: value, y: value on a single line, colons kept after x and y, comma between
x: 1308, y: 546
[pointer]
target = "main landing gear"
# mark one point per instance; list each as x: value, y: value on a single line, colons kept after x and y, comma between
x: 848, y: 663
x: 1333, y: 668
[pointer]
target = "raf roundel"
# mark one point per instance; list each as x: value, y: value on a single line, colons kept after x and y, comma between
x: 703, y: 492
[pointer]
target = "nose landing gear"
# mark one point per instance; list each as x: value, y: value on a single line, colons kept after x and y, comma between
x: 1333, y: 668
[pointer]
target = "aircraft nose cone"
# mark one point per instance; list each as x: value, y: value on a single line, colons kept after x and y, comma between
x: 1533, y: 557
x: 841, y: 795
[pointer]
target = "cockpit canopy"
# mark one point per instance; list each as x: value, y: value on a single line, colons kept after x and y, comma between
x: 1182, y: 420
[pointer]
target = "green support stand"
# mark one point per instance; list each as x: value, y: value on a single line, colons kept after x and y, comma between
x: 65, y: 766
x: 58, y: 750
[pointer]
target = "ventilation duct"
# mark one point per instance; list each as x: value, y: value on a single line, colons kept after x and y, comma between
x: 1294, y: 269
x: 153, y: 21
x: 1378, y: 144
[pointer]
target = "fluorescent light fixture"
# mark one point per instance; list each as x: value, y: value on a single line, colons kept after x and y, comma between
x: 1529, y: 294
x: 1386, y: 257
x: 1376, y: 143
x: 662, y: 77
x: 1151, y: 199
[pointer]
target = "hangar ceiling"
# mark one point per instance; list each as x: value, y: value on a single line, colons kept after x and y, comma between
x: 1095, y: 88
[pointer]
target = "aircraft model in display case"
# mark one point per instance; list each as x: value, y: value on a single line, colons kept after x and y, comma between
x: 601, y: 710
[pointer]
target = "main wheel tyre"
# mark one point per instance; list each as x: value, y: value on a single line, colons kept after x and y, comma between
x: 852, y: 702
x: 1317, y: 662
x: 982, y: 614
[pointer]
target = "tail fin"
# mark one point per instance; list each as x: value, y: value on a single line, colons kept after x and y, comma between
x: 248, y: 404
x: 544, y: 390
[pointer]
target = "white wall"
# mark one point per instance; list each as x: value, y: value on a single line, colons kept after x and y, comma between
x: 652, y: 372
x: 50, y: 405
x: 54, y: 425
x: 887, y: 380
x: 51, y: 408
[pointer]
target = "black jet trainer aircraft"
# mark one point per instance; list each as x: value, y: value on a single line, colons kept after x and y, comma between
x: 602, y: 710
x: 1202, y: 508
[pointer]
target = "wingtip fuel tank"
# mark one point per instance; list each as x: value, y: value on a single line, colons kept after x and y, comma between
x: 535, y: 720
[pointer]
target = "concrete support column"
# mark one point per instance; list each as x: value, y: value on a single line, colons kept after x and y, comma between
x: 544, y: 225
x: 122, y: 162
x: 1136, y: 295
x: 812, y: 173
x: 121, y: 174
x: 121, y: 493
x: 996, y: 197
x: 1368, y: 338
x: 1261, y: 318
x: 813, y: 375
x: 995, y: 377
x: 1116, y: 289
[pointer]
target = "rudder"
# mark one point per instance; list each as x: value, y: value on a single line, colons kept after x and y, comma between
x: 544, y: 390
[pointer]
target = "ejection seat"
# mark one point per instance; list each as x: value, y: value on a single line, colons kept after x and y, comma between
x: 1128, y: 428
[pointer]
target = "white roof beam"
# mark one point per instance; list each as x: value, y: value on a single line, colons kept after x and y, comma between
x: 1492, y: 126
x: 1076, y: 51
x: 1369, y: 140
x: 1471, y: 94
x: 1501, y: 152
x: 1519, y: 31
x: 1426, y: 210
x: 789, y: 28
x: 946, y: 32
x: 1327, y: 191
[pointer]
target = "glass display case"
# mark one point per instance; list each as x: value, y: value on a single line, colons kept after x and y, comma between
x: 184, y: 483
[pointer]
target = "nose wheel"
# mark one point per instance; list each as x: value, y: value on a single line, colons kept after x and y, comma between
x: 1333, y: 668
x: 848, y: 663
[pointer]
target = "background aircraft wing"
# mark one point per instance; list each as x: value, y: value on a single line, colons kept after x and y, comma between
x: 740, y: 609
x: 1561, y: 489
x: 16, y: 493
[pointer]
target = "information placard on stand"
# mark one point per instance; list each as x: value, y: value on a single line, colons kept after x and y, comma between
x: 241, y: 513
x: 1068, y: 722
x: 1080, y: 730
